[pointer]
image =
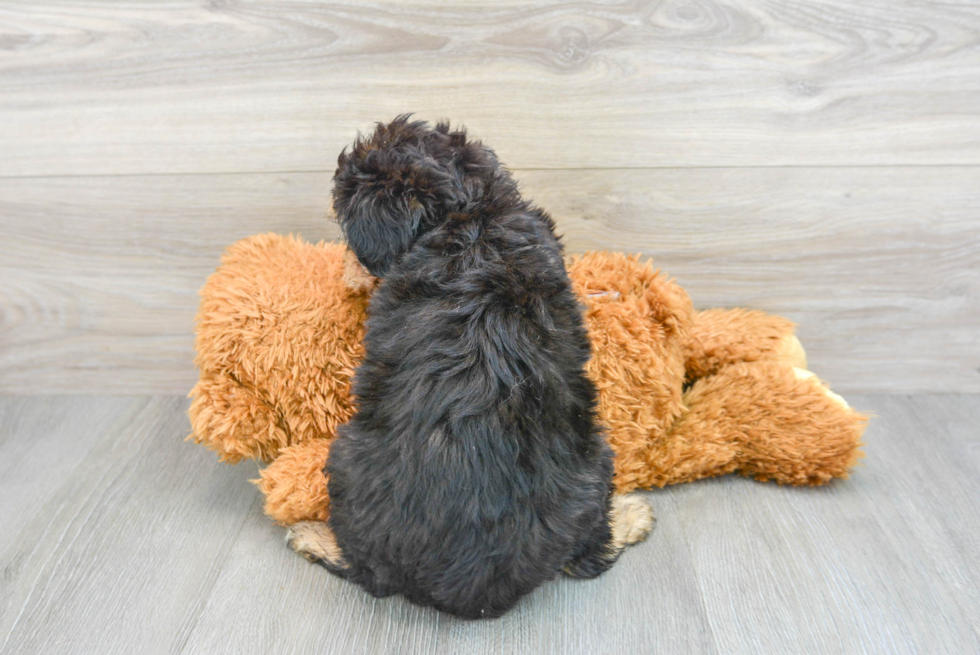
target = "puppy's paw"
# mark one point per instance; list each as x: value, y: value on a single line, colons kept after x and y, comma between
x: 315, y: 541
x: 631, y: 518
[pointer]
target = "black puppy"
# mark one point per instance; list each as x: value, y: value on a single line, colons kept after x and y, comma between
x: 474, y: 469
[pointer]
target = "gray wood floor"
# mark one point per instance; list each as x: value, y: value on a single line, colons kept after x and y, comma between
x: 118, y: 537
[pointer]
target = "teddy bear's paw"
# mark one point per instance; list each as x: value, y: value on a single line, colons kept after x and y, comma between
x: 791, y: 351
x: 803, y: 374
x: 315, y: 541
x: 632, y: 520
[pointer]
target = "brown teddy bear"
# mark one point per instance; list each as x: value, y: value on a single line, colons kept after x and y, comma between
x: 683, y: 394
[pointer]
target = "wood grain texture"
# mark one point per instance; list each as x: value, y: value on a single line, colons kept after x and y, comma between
x: 884, y: 562
x: 96, y: 87
x: 879, y: 266
x: 119, y: 527
x: 138, y: 542
x: 101, y: 274
x: 643, y: 604
x: 42, y: 441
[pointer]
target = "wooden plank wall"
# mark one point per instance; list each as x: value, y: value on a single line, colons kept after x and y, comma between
x: 817, y: 159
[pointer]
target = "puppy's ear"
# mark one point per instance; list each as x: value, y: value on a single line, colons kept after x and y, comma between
x: 394, y: 185
x: 377, y: 226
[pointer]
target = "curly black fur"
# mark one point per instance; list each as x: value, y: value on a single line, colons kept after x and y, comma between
x: 474, y: 469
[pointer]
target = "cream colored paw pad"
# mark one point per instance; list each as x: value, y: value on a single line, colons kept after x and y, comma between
x: 632, y: 519
x: 315, y: 541
x: 802, y: 374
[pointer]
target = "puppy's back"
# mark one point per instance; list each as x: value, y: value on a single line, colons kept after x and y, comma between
x: 473, y: 469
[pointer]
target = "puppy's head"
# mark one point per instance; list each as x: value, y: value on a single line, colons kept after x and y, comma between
x: 400, y: 182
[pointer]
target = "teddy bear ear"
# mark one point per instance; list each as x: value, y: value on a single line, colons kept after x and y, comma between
x: 356, y: 277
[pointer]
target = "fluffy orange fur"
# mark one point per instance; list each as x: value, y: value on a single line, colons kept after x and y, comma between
x: 279, y: 335
x: 278, y: 338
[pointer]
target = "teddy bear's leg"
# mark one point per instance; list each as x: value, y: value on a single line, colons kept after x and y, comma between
x: 720, y: 337
x: 232, y: 421
x: 766, y: 420
x: 294, y: 485
x: 819, y: 436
